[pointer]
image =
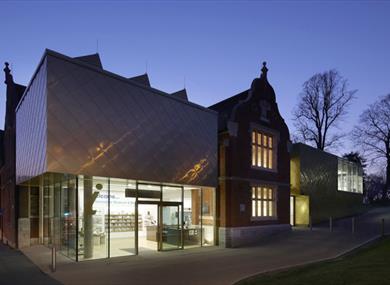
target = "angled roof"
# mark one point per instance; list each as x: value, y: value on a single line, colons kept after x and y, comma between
x: 225, y: 107
x: 88, y: 64
x: 93, y: 59
x: 302, y: 147
x: 92, y: 122
x: 260, y: 89
x: 229, y: 102
x: 142, y: 79
x: 181, y: 94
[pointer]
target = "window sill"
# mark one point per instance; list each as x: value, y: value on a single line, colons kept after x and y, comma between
x: 346, y: 191
x: 273, y: 170
x: 259, y: 219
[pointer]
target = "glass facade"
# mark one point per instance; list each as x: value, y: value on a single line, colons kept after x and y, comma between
x: 350, y: 176
x: 90, y: 217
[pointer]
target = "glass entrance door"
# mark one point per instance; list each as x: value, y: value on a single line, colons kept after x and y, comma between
x: 171, y: 234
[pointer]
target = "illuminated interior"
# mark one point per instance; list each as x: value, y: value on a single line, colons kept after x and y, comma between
x: 262, y: 150
x: 292, y: 210
x: 89, y: 217
x: 263, y: 202
x: 350, y: 176
x: 299, y: 210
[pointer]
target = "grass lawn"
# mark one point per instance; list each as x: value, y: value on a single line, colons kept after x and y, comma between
x: 367, y: 266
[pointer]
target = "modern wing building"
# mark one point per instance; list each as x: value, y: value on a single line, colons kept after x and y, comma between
x: 109, y: 166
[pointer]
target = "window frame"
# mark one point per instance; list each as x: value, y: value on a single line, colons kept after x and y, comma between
x: 275, y: 142
x: 255, y: 199
x: 349, y: 177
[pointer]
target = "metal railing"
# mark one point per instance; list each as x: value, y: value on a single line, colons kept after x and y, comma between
x: 362, y: 225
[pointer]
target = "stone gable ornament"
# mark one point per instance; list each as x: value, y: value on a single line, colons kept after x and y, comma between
x: 264, y: 109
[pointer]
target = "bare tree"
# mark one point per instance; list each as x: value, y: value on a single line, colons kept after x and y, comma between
x: 356, y: 157
x: 373, y: 134
x: 323, y: 103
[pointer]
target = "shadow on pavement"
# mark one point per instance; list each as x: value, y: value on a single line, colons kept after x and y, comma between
x: 16, y: 269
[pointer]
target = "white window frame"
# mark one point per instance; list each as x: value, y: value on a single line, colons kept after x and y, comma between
x: 275, y: 142
x: 256, y: 199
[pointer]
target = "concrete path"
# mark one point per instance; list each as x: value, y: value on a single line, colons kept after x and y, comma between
x: 16, y: 269
x: 214, y: 265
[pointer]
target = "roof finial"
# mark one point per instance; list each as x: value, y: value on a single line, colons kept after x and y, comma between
x: 264, y: 70
x: 7, y: 71
x: 6, y: 68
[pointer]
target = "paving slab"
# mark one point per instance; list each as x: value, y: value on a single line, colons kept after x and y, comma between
x: 214, y: 265
x: 17, y: 269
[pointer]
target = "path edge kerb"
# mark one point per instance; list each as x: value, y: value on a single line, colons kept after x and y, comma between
x: 299, y: 265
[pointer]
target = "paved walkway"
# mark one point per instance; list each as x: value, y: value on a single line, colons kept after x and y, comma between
x: 213, y: 265
x: 16, y: 269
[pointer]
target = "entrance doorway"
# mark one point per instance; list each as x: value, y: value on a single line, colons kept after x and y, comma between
x: 171, y: 226
x: 159, y: 226
x: 148, y: 227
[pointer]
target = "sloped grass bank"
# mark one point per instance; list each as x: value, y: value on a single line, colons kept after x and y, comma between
x: 367, y: 266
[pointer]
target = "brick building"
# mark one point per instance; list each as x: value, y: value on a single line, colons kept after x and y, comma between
x: 254, y: 165
x: 9, y: 196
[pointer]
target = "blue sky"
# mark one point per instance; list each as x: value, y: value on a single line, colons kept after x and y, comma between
x: 215, y: 47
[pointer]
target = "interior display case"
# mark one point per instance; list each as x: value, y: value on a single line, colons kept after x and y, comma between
x: 122, y: 223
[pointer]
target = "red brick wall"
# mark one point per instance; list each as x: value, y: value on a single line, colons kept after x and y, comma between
x: 235, y: 171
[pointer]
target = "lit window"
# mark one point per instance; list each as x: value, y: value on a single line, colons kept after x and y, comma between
x: 263, y: 202
x: 350, y: 176
x: 262, y: 150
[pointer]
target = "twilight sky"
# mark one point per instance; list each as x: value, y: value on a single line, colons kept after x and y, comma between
x: 216, y: 47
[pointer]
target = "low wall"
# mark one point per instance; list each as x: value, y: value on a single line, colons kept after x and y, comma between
x: 240, y: 236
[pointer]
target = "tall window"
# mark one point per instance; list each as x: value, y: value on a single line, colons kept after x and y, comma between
x: 262, y: 150
x: 350, y: 176
x: 263, y: 202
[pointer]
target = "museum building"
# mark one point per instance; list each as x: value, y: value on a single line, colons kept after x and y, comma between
x: 99, y: 165
x: 323, y: 185
x: 104, y: 165
x: 254, y: 165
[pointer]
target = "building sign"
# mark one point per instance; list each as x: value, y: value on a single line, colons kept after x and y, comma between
x: 153, y: 194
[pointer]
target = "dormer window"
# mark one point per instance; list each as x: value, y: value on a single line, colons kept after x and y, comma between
x: 263, y: 154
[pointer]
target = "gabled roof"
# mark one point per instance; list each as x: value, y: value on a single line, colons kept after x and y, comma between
x: 86, y: 61
x: 93, y: 59
x: 229, y: 102
x: 260, y: 89
x: 181, y: 94
x: 107, y: 122
x: 142, y: 79
x: 225, y: 107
